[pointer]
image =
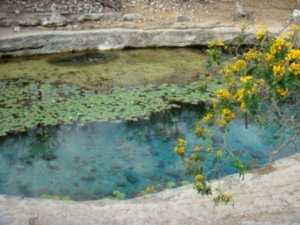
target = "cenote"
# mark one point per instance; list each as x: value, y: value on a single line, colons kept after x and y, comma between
x: 83, y: 127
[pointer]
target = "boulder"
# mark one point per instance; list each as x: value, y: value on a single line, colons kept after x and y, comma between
x: 112, y: 16
x: 17, y: 29
x: 56, y: 19
x: 29, y: 22
x: 182, y: 18
x: 130, y: 16
x: 90, y: 17
x: 3, y: 15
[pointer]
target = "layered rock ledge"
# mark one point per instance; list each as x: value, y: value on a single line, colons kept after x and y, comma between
x: 270, y: 195
x: 45, y: 42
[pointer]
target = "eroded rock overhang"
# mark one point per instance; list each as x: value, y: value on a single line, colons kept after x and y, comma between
x: 46, y: 42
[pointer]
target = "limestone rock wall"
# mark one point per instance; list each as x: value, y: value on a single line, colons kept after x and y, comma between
x: 68, y: 41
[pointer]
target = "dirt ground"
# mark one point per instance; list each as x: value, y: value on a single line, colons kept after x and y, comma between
x: 154, y: 14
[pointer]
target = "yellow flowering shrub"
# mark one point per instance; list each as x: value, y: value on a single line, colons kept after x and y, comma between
x: 223, y: 94
x: 278, y: 70
x: 227, y: 114
x: 199, y: 177
x: 246, y: 79
x: 239, y: 65
x: 295, y: 68
x: 207, y: 117
x: 251, y: 55
x: 294, y: 54
x: 255, y: 80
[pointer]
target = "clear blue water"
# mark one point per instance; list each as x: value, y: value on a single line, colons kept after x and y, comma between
x: 93, y: 161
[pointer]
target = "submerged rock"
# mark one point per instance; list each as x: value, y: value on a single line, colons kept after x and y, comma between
x: 131, y: 176
x: 88, y: 178
x: 64, y: 191
x: 161, y: 164
x: 79, y: 196
x: 44, y: 191
x: 75, y: 184
x: 20, y: 168
x: 121, y: 184
x: 49, y: 156
x: 154, y: 153
x: 93, y: 170
x: 53, y: 166
x: 173, y: 174
x: 23, y: 189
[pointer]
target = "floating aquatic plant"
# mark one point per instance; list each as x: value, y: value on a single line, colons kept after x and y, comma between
x: 26, y: 104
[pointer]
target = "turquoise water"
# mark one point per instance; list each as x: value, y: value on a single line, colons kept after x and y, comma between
x: 91, y: 162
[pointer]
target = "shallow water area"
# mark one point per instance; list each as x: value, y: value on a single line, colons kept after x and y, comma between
x: 103, y: 70
x: 94, y: 161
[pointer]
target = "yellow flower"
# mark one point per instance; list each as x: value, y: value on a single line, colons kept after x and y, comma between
x: 179, y: 150
x: 243, y: 107
x: 227, y: 71
x: 246, y: 79
x: 239, y: 65
x: 219, y: 153
x: 223, y: 94
x: 294, y: 54
x: 199, y: 177
x: 217, y: 42
x: 209, y: 149
x: 295, y: 68
x: 261, y: 81
x: 295, y: 27
x: 261, y: 31
x: 270, y: 57
x: 227, y: 197
x: 240, y: 94
x: 282, y: 91
x: 227, y: 114
x: 251, y: 55
x: 198, y: 130
x: 279, y: 45
x: 199, y: 184
x: 186, y: 160
x: 182, y: 142
x: 278, y: 70
x: 198, y: 148
x: 193, y: 156
x: 222, y: 123
x: 207, y: 117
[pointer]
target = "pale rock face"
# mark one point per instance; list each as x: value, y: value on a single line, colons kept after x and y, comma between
x: 67, y: 41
